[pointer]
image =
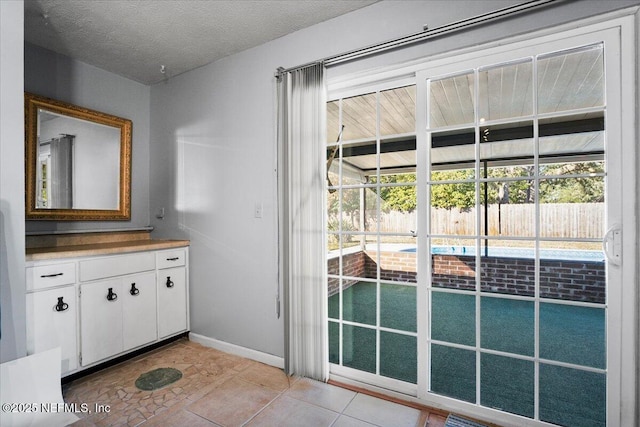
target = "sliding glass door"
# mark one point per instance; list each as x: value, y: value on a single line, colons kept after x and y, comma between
x: 466, y: 220
x: 517, y: 200
x: 371, y: 163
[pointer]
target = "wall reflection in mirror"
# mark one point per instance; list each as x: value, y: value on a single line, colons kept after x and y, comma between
x: 78, y: 162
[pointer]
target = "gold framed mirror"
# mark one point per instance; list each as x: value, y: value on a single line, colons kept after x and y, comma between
x: 77, y: 162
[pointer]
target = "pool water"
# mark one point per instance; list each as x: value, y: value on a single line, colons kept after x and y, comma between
x: 557, y: 254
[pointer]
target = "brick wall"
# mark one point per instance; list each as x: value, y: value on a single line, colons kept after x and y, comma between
x: 352, y: 264
x: 559, y: 279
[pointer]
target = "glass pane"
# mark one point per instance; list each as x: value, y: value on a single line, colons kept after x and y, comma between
x: 457, y: 175
x: 556, y: 166
x: 507, y: 325
x: 508, y: 267
x: 359, y: 303
x: 451, y: 101
x: 453, y: 264
x: 573, y: 334
x: 524, y: 169
x: 334, y: 342
x: 570, y: 80
x: 507, y: 384
x: 507, y: 209
x: 359, y: 348
x: 570, y: 397
x: 573, y: 274
x: 334, y: 298
x: 359, y: 209
x: 453, y: 318
x: 453, y: 208
x: 333, y: 121
x: 453, y: 372
x: 452, y: 148
x: 357, y: 162
x: 359, y: 117
x: 510, y: 143
x: 398, y: 356
x: 398, y: 110
x: 571, y: 135
x: 505, y: 91
x: 354, y: 260
x: 572, y: 207
x: 397, y: 261
x: 398, y: 307
x: 398, y: 155
x: 397, y: 204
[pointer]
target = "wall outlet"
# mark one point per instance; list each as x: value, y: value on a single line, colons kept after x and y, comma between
x: 257, y: 211
x: 160, y: 213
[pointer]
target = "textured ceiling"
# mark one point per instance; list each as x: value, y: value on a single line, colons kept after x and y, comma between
x: 133, y: 38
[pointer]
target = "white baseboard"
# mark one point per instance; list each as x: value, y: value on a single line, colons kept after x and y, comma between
x: 237, y: 350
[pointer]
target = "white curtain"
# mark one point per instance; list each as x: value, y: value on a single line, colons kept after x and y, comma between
x: 301, y: 158
x: 61, y: 173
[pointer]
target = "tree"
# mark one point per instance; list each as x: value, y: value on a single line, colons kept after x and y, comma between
x: 461, y: 195
x: 398, y: 198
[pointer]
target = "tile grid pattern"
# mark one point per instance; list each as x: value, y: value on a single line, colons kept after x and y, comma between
x: 220, y: 389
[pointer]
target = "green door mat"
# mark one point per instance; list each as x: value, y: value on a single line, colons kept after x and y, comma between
x: 158, y: 378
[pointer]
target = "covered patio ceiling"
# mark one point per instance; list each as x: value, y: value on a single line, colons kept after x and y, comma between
x: 570, y: 82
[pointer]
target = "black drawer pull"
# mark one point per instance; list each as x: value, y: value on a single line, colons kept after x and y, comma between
x: 61, y: 306
x: 134, y: 291
x: 112, y: 296
x: 175, y: 258
x: 52, y: 275
x: 169, y: 282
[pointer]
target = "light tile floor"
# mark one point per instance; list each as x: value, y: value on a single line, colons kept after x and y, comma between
x: 220, y: 389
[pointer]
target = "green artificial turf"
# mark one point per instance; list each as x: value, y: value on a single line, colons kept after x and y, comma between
x: 570, y: 334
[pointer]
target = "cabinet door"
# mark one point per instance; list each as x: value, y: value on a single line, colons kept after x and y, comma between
x: 100, y: 320
x: 139, y: 309
x: 51, y: 323
x: 172, y: 301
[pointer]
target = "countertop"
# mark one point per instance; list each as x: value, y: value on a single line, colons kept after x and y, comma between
x: 92, y: 249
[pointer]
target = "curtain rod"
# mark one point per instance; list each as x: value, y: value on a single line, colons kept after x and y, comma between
x: 423, y: 35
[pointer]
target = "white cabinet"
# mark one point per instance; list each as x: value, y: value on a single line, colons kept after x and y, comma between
x: 100, y: 307
x: 172, y: 291
x: 139, y: 308
x: 117, y: 315
x: 51, y: 323
x: 172, y: 301
x: 101, y: 320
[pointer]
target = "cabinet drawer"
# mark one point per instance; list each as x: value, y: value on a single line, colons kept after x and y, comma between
x: 49, y: 276
x: 120, y: 265
x: 168, y: 259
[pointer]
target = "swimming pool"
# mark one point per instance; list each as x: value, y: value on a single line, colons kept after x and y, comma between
x: 557, y: 254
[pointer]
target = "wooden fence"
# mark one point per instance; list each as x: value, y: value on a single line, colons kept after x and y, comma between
x: 565, y: 220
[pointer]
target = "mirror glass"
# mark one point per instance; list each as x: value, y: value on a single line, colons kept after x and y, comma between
x: 78, y: 162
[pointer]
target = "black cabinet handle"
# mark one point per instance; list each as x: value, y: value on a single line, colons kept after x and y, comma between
x: 134, y: 291
x: 52, y: 275
x: 61, y: 305
x: 169, y: 282
x: 175, y: 258
x: 112, y: 296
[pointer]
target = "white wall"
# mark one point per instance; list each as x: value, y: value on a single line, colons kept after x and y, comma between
x: 59, y: 77
x: 12, y: 262
x: 213, y: 151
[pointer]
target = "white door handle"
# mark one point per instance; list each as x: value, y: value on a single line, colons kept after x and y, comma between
x: 612, y: 244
